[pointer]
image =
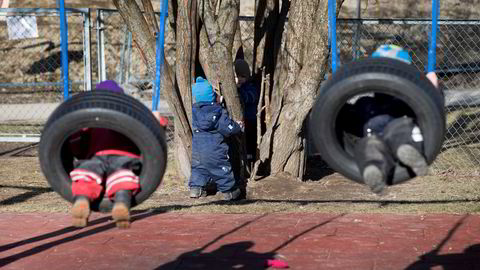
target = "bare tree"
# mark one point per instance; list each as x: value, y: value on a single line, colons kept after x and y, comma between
x: 300, y: 66
x: 219, y: 21
x: 206, y: 37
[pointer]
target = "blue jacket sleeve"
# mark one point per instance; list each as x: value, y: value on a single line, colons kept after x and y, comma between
x: 226, y: 126
x: 249, y: 94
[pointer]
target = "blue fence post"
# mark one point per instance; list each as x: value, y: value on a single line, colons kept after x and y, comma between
x: 432, y: 48
x: 332, y: 29
x: 64, y: 49
x: 159, y: 54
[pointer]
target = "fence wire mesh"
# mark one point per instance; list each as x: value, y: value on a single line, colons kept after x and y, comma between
x: 247, y: 31
x: 33, y: 74
x: 30, y: 76
x: 458, y: 67
x: 124, y: 63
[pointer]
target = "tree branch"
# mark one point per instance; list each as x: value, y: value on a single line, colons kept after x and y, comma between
x: 185, y: 55
x: 259, y: 127
x: 136, y: 23
x: 150, y: 15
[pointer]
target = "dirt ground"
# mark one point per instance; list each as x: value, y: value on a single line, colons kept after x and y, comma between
x: 23, y: 188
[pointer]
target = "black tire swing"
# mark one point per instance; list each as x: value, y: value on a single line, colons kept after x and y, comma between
x: 378, y: 75
x: 102, y: 109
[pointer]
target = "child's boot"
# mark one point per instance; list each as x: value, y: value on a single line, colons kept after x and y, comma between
x: 121, y: 208
x: 406, y: 141
x: 80, y: 211
x: 232, y: 195
x: 197, y: 192
x: 374, y: 161
x: 411, y: 157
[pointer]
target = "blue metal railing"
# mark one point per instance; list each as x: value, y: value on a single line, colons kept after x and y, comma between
x: 332, y: 29
x: 433, y: 36
x: 432, y: 49
x: 159, y: 54
x: 64, y: 49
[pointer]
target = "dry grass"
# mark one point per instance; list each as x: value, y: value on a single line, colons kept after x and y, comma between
x: 23, y: 188
x: 461, y: 149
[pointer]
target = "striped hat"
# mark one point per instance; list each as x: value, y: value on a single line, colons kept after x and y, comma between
x: 393, y: 51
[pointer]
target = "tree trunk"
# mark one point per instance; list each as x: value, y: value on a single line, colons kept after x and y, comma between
x: 144, y: 37
x: 216, y: 43
x: 237, y: 41
x: 300, y: 69
x: 150, y: 15
x: 186, y: 54
x: 185, y: 72
x: 182, y: 160
x: 266, y: 20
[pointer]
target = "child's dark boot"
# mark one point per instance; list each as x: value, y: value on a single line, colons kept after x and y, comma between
x: 232, y: 195
x: 121, y: 208
x: 374, y: 161
x: 406, y: 141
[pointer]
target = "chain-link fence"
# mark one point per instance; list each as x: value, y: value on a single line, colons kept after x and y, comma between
x: 121, y: 60
x: 30, y: 74
x: 458, y: 58
x: 33, y: 73
x: 247, y: 31
x: 458, y: 67
x: 31, y: 84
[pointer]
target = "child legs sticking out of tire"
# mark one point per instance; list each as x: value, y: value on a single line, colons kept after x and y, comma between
x: 374, y: 161
x: 121, y: 184
x: 390, y: 136
x: 399, y: 140
x: 406, y: 143
x: 107, y: 163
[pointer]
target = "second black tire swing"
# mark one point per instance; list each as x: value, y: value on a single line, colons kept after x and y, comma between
x: 379, y: 75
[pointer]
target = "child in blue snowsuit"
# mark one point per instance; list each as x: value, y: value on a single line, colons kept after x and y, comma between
x: 211, y: 126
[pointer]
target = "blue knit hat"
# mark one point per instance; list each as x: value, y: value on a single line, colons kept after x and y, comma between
x: 393, y: 51
x: 109, y: 85
x: 202, y: 90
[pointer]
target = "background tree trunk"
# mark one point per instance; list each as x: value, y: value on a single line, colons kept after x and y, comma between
x: 182, y: 159
x: 299, y: 72
x: 145, y: 39
x: 296, y: 62
x: 266, y: 21
x: 185, y: 73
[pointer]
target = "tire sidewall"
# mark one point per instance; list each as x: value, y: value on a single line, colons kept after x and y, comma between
x: 423, y: 102
x: 54, y: 137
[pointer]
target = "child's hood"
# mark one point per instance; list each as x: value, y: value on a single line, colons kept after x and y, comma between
x: 206, y: 115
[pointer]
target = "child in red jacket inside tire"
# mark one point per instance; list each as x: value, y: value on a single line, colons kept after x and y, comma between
x: 107, y: 160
